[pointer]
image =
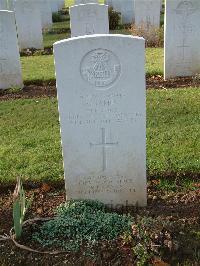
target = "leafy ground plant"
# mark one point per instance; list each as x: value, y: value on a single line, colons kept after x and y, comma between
x: 85, y: 226
x: 20, y: 206
x: 82, y: 222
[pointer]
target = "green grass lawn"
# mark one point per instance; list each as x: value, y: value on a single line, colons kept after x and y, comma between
x: 59, y: 31
x: 30, y: 139
x: 38, y: 68
x: 41, y: 68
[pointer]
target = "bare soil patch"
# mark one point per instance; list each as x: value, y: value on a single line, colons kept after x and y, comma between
x: 39, y: 89
x: 180, y: 207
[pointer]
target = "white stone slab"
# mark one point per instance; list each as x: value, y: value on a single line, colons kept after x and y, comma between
x: 89, y: 19
x: 125, y: 7
x: 127, y: 11
x: 46, y: 14
x: 29, y: 24
x: 10, y: 5
x: 3, y: 5
x: 147, y: 12
x: 108, y: 2
x: 61, y: 4
x: 54, y: 6
x: 10, y: 67
x: 182, y: 38
x: 78, y: 2
x: 101, y: 95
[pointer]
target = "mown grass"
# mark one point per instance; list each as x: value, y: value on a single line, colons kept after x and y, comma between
x: 59, y: 31
x: 50, y: 39
x: 38, y: 68
x: 173, y: 131
x: 30, y: 139
x: 41, y: 68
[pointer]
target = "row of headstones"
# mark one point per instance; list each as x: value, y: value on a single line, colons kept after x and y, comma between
x: 134, y: 11
x: 182, y: 23
x: 101, y: 97
x: 20, y: 29
x: 31, y: 18
x: 138, y: 11
x: 182, y: 38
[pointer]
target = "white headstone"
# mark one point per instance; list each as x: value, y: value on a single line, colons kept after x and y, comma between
x: 54, y: 6
x: 10, y: 68
x: 3, y: 5
x: 101, y: 95
x: 126, y: 8
x: 89, y: 19
x: 46, y: 14
x: 61, y: 4
x: 127, y: 11
x: 147, y: 12
x: 29, y: 24
x: 78, y: 2
x: 10, y: 4
x: 182, y: 38
x: 108, y: 2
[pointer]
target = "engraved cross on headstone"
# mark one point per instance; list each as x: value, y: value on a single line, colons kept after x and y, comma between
x: 104, y: 144
x: 183, y: 47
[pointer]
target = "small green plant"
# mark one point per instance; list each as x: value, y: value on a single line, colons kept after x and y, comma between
x: 114, y: 18
x: 82, y: 222
x: 20, y: 206
x: 149, y: 238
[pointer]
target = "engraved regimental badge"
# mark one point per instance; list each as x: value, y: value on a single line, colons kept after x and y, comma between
x: 100, y: 68
x: 185, y: 8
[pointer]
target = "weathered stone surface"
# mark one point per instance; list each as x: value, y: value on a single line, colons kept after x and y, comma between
x: 3, y: 5
x: 101, y: 95
x: 10, y: 68
x: 61, y: 4
x: 78, y: 2
x: 54, y: 6
x: 147, y: 12
x: 182, y: 38
x: 89, y: 19
x: 46, y: 14
x: 29, y: 24
x: 10, y: 5
x: 125, y: 7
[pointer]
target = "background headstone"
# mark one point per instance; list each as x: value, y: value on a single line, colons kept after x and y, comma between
x: 10, y: 5
x: 108, y: 2
x: 101, y: 95
x: 125, y: 7
x: 10, y: 68
x: 127, y: 11
x: 78, y: 2
x: 182, y: 38
x: 46, y: 14
x: 29, y: 24
x: 54, y: 6
x: 61, y: 4
x: 147, y: 12
x: 89, y: 19
x: 3, y: 5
